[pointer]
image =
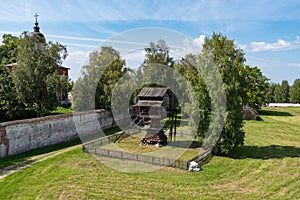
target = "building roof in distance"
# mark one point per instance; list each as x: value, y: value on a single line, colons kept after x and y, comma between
x: 153, y: 92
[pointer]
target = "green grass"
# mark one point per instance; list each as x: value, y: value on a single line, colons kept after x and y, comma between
x: 14, y: 159
x: 61, y: 110
x: 267, y: 167
x: 178, y: 148
x: 11, y: 160
x: 32, y: 113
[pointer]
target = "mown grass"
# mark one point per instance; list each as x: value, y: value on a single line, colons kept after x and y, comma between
x: 14, y: 159
x: 267, y: 167
x: 11, y: 160
x: 182, y: 149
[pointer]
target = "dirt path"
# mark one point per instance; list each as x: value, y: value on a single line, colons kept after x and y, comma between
x: 33, y: 160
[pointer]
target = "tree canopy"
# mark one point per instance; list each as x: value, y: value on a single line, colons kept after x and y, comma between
x: 10, y: 107
x: 34, y: 81
x: 256, y: 87
x: 157, y: 57
x: 240, y: 82
x: 94, y: 88
x: 188, y: 68
x: 282, y: 92
x: 230, y: 62
x: 295, y: 91
x: 32, y: 87
x: 36, y: 74
x: 9, y: 49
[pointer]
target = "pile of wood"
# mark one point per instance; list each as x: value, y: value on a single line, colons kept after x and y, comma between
x: 158, y: 138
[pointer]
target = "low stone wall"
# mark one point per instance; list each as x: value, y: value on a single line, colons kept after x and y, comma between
x: 24, y: 135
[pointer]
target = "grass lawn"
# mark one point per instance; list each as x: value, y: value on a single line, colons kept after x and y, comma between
x: 266, y: 167
x: 178, y: 148
x: 11, y: 160
x: 14, y: 159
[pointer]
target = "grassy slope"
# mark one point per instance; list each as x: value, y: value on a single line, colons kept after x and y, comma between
x: 132, y: 144
x: 268, y: 166
x: 14, y: 159
x: 11, y: 160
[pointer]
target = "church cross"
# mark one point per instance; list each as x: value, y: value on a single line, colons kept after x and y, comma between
x: 36, y: 16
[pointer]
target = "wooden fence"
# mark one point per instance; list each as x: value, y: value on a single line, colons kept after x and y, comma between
x: 154, y: 160
x: 202, y: 157
x: 94, y: 148
x: 104, y: 140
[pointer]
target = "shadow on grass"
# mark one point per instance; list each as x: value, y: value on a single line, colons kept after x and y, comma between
x: 258, y: 118
x: 265, y: 152
x: 185, y: 144
x: 179, y: 122
x: 274, y: 113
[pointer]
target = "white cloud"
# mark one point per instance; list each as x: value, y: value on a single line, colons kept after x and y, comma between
x: 75, y: 61
x: 294, y: 64
x: 78, y: 10
x: 199, y: 41
x: 10, y: 32
x: 275, y: 46
x: 134, y: 58
x: 240, y: 46
x: 77, y: 55
x: 243, y: 47
x: 76, y: 38
x: 79, y: 45
x: 94, y: 42
x: 191, y: 46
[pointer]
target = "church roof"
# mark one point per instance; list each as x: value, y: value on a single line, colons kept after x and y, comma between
x: 36, y: 30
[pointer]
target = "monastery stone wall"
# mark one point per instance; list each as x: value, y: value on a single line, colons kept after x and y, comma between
x: 23, y: 135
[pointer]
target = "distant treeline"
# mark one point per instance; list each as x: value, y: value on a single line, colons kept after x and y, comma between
x: 284, y: 93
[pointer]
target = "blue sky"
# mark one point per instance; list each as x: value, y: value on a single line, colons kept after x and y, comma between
x: 268, y: 31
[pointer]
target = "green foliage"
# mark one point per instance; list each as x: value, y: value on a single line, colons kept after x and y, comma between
x: 61, y: 110
x: 94, y: 88
x: 267, y: 167
x: 230, y: 62
x: 10, y: 108
x: 281, y: 92
x: 199, y: 91
x: 157, y: 57
x: 9, y: 49
x: 270, y: 98
x: 158, y: 53
x: 285, y: 92
x: 220, y: 52
x: 83, y: 94
x: 295, y: 91
x: 257, y: 87
x: 277, y: 94
x: 36, y: 75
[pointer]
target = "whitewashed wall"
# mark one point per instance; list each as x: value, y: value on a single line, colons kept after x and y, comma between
x: 24, y: 135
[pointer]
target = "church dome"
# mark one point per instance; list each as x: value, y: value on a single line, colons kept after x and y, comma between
x: 36, y: 31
